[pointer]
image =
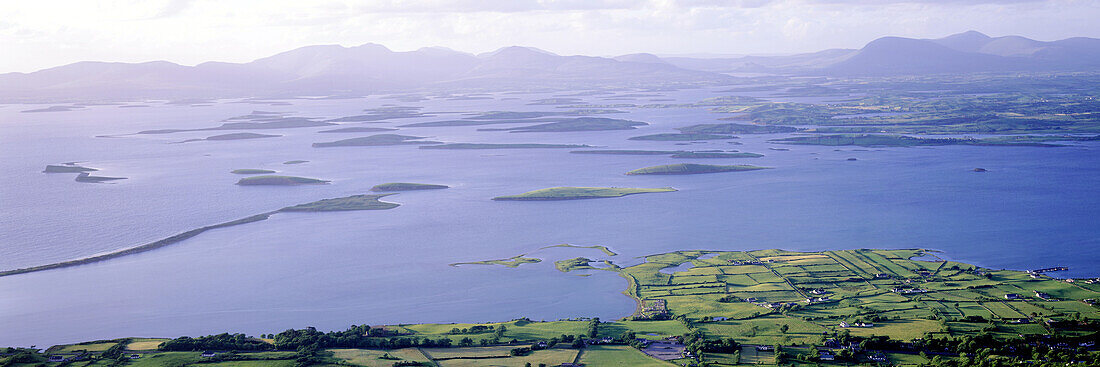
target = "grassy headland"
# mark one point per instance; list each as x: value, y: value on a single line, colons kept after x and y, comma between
x: 347, y: 203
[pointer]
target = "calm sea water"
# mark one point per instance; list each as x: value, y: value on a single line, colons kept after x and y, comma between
x: 1036, y: 207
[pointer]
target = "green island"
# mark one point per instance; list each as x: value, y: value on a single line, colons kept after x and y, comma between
x: 682, y: 137
x: 876, y: 140
x: 691, y: 169
x: 628, y: 152
x: 67, y: 168
x: 577, y: 124
x: 575, y: 193
x: 240, y: 136
x: 521, y: 259
x: 251, y: 171
x: 604, y: 249
x: 347, y: 203
x: 470, y: 122
x: 406, y: 186
x: 732, y: 128
x: 354, y: 202
x: 772, y: 307
x: 357, y: 129
x: 511, y: 262
x: 87, y: 177
x: 716, y: 155
x: 461, y: 146
x: 376, y: 140
x: 583, y: 263
x: 264, y: 123
x: 276, y: 180
x: 296, y: 161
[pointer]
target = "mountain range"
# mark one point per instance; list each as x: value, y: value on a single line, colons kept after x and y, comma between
x: 960, y: 53
x: 372, y: 68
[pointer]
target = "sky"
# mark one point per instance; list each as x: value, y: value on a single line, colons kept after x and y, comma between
x: 37, y: 34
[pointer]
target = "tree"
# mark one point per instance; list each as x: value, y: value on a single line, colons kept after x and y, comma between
x: 783, y: 329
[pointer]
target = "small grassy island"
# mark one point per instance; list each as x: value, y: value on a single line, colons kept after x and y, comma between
x: 511, y: 262
x: 461, y: 146
x: 628, y: 152
x: 406, y: 186
x: 715, y: 155
x: 691, y: 168
x: 736, y: 129
x: 251, y: 171
x: 574, y: 193
x: 682, y: 137
x: 577, y: 124
x: 604, y: 249
x: 583, y: 263
x: 376, y: 140
x: 67, y: 168
x: 276, y: 180
x: 348, y: 203
x: 358, y: 129
x: 241, y: 136
x: 297, y: 161
x: 87, y: 177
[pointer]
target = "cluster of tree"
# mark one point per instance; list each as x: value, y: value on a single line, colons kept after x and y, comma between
x: 224, y: 341
x: 20, y: 356
x: 729, y: 298
x: 594, y: 327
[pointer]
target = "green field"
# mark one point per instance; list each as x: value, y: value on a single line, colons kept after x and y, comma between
x: 374, y: 358
x: 574, y: 193
x: 611, y: 356
x: 144, y: 343
x: 762, y: 297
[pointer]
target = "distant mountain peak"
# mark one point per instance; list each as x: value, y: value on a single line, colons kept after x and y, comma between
x: 516, y: 50
x: 970, y: 34
x: 641, y: 57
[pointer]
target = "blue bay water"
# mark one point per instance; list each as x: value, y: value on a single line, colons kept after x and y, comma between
x: 1035, y: 207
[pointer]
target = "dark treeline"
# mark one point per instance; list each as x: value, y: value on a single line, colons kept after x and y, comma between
x: 224, y: 341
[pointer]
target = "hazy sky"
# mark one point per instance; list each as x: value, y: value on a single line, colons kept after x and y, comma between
x: 35, y: 34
